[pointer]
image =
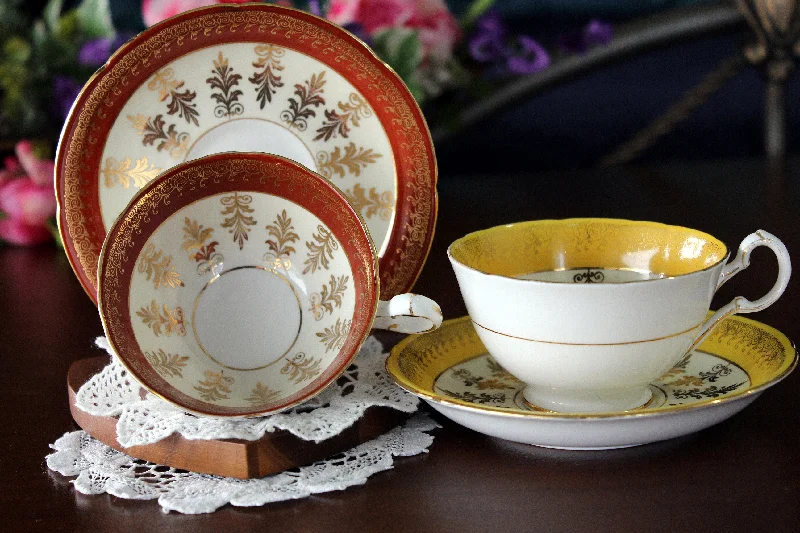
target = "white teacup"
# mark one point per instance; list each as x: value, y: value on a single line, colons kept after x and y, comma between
x: 588, y: 312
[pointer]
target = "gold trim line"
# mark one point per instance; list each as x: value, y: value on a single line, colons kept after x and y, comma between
x: 589, y: 343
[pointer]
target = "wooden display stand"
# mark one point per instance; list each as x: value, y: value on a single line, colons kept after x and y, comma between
x: 274, y: 452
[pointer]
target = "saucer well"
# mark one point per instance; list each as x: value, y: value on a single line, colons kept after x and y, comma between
x: 250, y: 78
x: 451, y: 370
x: 238, y: 285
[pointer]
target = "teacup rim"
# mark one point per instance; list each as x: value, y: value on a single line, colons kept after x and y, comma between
x: 596, y: 286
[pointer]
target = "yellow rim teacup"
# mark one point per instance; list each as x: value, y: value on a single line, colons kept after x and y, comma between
x: 587, y: 312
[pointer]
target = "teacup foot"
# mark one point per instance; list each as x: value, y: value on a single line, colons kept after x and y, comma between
x: 583, y: 401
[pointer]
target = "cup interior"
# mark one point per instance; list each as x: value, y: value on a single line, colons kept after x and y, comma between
x: 627, y: 250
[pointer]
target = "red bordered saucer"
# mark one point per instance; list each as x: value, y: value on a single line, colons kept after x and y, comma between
x: 250, y: 78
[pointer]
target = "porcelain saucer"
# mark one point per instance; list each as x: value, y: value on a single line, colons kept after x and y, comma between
x: 250, y: 78
x: 451, y: 370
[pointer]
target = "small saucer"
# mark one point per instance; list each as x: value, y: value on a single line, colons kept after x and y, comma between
x: 451, y: 370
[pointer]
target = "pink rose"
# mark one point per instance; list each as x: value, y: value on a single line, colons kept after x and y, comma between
x: 40, y: 171
x: 343, y: 12
x: 372, y: 15
x: 438, y: 30
x: 25, y: 201
x: 27, y: 198
x: 157, y: 10
x: 12, y: 170
x: 21, y: 234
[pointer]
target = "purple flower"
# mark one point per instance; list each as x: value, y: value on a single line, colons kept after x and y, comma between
x: 533, y: 57
x: 595, y: 33
x: 313, y: 8
x: 358, y: 30
x: 598, y: 33
x: 95, y: 52
x: 488, y: 43
x: 65, y: 91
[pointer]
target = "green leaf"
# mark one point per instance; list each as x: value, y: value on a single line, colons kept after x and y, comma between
x: 94, y: 19
x: 17, y: 50
x: 475, y: 10
x: 39, y: 34
x: 52, y: 225
x: 68, y: 27
x: 12, y: 20
x: 401, y: 49
x: 52, y: 14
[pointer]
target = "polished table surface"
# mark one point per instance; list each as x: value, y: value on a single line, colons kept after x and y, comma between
x: 741, y: 475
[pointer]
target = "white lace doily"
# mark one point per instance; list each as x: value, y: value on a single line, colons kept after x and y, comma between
x: 145, y: 419
x: 148, y: 419
x: 101, y: 469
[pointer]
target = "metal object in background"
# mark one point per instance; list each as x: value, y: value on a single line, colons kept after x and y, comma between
x: 777, y: 28
x: 776, y: 24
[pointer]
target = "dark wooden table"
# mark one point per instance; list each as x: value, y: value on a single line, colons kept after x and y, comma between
x: 741, y: 475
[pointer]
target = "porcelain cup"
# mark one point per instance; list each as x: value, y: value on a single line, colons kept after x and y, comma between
x: 243, y: 284
x: 588, y: 312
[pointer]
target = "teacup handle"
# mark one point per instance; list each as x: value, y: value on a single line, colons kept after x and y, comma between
x: 740, y: 304
x: 408, y: 313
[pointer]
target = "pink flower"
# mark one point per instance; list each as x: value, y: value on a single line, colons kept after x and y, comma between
x: 40, y: 171
x: 343, y: 12
x: 438, y: 30
x: 26, y: 197
x: 157, y: 10
x: 439, y: 33
x: 373, y: 15
x: 22, y: 234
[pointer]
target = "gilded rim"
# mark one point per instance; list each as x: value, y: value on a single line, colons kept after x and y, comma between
x: 307, y: 394
x: 411, y: 237
x: 588, y: 286
x: 392, y: 367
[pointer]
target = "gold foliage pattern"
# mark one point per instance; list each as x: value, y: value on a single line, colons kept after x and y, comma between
x: 262, y: 394
x: 333, y: 338
x: 195, y: 236
x: 282, y: 236
x: 216, y: 386
x: 372, y: 203
x: 352, y: 160
x: 157, y: 317
x: 175, y: 143
x: 339, y: 123
x: 225, y: 80
x: 121, y: 172
x: 181, y: 103
x: 320, y: 252
x: 309, y: 97
x: 325, y: 299
x: 238, y: 207
x: 301, y: 368
x: 158, y: 267
x: 167, y: 364
x: 267, y: 81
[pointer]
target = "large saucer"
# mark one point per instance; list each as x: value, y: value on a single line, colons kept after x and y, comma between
x: 451, y: 370
x: 249, y: 78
